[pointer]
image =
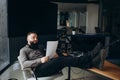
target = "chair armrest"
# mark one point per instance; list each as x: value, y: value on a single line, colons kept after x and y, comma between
x: 28, y: 73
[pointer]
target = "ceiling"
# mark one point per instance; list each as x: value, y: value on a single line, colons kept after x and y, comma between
x: 105, y: 2
x: 71, y: 6
x: 75, y: 1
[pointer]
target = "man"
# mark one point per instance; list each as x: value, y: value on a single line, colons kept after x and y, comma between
x: 33, y: 56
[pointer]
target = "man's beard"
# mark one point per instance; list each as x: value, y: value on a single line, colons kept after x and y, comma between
x: 34, y: 45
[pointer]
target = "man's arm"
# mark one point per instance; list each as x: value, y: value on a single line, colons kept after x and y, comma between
x: 28, y: 63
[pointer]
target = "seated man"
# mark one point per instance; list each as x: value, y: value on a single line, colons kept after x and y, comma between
x: 33, y: 56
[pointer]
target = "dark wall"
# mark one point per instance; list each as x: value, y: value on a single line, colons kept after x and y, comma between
x: 29, y: 15
x: 111, y: 14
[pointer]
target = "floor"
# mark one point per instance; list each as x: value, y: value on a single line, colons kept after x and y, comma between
x: 115, y: 61
x: 14, y: 71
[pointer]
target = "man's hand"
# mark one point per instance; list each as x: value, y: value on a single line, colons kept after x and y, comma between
x: 44, y: 59
x: 55, y: 55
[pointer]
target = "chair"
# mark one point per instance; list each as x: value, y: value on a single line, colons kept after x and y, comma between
x: 28, y: 73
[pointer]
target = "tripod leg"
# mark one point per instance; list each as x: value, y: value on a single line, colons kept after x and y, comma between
x: 69, y: 69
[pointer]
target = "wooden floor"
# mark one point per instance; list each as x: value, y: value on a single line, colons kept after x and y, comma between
x: 109, y: 70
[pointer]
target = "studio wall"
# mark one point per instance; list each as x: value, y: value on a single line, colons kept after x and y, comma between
x: 29, y: 15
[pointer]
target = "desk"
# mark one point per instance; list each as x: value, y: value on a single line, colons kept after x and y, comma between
x: 86, y: 42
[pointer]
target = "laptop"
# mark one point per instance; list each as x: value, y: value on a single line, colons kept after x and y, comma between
x: 51, y: 48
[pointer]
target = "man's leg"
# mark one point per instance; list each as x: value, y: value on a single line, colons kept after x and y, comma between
x: 55, y: 65
x: 51, y: 67
x: 96, y: 49
x: 98, y: 61
x: 98, y: 56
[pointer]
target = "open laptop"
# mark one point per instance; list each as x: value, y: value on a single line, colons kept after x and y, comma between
x: 51, y: 48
